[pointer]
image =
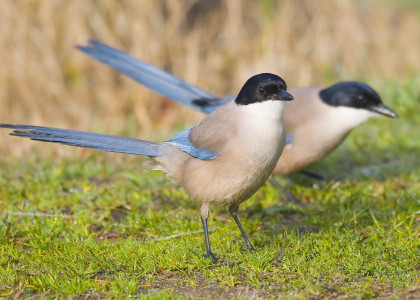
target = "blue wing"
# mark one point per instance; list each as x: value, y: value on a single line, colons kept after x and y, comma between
x: 154, y: 78
x: 182, y: 142
x: 289, y: 139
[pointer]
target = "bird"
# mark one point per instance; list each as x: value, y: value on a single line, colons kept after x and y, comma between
x: 317, y: 121
x: 222, y: 160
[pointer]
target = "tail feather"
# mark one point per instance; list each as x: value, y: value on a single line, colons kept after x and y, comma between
x: 85, y: 139
x: 154, y: 78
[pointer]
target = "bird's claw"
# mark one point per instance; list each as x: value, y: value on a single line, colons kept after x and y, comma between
x: 249, y: 248
x: 211, y: 255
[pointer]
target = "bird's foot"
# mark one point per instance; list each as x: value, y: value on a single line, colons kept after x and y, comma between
x: 249, y: 248
x: 213, y: 258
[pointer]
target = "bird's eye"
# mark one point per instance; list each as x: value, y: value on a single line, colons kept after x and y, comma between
x: 261, y: 90
x: 361, y: 99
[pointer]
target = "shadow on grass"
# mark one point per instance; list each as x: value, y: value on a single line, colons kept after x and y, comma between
x: 343, y: 166
x: 373, y: 165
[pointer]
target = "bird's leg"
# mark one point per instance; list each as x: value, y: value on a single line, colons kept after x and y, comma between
x: 233, y: 209
x: 204, y: 216
x: 312, y: 175
x: 289, y: 196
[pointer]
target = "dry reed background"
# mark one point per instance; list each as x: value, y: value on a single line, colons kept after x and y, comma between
x: 217, y: 45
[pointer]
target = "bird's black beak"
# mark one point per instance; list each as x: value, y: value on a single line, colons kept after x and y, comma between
x: 282, y: 95
x: 383, y: 110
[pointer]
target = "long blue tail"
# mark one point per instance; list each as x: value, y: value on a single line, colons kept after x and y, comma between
x: 85, y: 139
x: 154, y: 78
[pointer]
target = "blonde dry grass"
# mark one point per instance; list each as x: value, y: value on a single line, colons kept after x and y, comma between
x: 45, y: 81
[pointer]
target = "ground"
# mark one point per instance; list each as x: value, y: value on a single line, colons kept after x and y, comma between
x: 101, y: 226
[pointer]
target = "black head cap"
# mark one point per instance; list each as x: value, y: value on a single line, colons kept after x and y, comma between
x: 263, y: 87
x: 356, y: 95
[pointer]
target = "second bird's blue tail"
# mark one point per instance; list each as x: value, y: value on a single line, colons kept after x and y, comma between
x: 154, y: 78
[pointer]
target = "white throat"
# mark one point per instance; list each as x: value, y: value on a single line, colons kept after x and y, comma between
x: 352, y: 117
x: 266, y: 110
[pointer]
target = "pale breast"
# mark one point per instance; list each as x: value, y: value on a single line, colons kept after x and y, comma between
x: 232, y: 177
x: 245, y: 161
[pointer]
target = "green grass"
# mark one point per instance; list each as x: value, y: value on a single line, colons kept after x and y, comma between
x: 101, y: 223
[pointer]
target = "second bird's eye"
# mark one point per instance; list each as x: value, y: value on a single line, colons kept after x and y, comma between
x: 261, y: 90
x: 361, y: 99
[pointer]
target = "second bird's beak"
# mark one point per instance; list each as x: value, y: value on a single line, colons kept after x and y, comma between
x: 282, y: 95
x: 383, y: 110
